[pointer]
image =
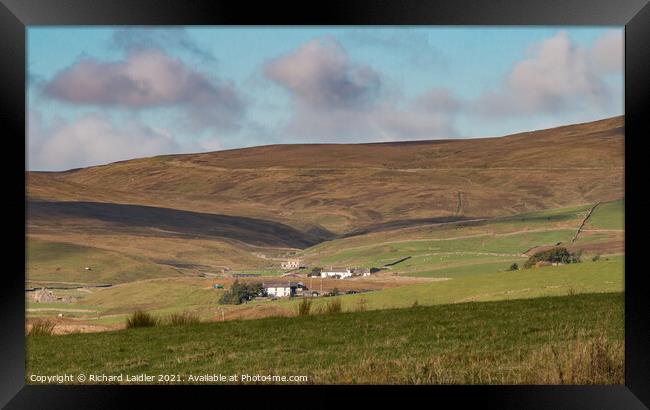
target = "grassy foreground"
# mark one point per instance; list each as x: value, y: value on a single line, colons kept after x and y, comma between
x: 575, y: 339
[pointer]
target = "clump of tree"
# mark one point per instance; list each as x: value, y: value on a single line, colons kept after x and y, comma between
x: 315, y: 271
x: 240, y: 293
x: 556, y: 254
x: 513, y: 267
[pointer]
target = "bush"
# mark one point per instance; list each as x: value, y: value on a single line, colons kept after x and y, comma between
x: 595, y: 258
x: 304, y: 307
x: 315, y: 271
x: 513, y: 267
x: 333, y: 306
x: 335, y: 292
x: 557, y: 254
x: 240, y: 292
x: 42, y: 327
x: 141, y: 319
x: 183, y: 319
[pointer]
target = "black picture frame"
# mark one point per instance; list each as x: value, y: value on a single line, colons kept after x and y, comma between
x: 16, y: 15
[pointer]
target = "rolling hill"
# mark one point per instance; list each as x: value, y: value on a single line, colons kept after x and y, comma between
x: 326, y: 189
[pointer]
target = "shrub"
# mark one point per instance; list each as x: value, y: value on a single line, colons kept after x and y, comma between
x: 333, y: 306
x: 42, y: 327
x: 335, y: 292
x: 513, y: 267
x: 184, y: 319
x: 315, y: 271
x: 304, y: 307
x: 596, y: 258
x: 240, y: 292
x: 141, y: 319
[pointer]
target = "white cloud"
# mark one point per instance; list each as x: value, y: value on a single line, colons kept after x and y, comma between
x: 149, y: 78
x: 338, y: 100
x: 558, y: 76
x: 92, y: 139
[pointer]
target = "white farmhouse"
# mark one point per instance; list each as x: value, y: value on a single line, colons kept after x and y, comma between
x: 283, y: 289
x: 340, y: 273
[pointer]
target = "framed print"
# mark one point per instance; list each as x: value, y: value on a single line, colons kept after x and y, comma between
x: 344, y: 203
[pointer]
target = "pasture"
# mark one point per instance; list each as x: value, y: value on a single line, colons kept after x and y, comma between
x: 570, y: 339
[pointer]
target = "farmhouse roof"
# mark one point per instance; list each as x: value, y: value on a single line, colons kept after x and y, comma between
x: 336, y: 270
x: 282, y: 285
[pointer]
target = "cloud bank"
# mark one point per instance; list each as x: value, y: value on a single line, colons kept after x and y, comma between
x: 92, y: 139
x: 335, y: 98
x: 149, y: 78
x: 556, y: 77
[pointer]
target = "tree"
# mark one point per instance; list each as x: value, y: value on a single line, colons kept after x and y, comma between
x: 557, y: 254
x: 514, y: 266
x: 315, y: 271
x: 240, y: 292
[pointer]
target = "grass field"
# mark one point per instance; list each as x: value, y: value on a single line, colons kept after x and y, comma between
x: 111, y: 306
x: 455, y: 249
x: 571, y: 339
x: 608, y: 215
x: 586, y: 277
x: 63, y: 262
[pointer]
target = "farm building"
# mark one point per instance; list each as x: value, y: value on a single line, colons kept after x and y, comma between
x: 340, y: 273
x: 343, y: 273
x: 283, y: 289
x: 360, y: 272
x: 290, y: 264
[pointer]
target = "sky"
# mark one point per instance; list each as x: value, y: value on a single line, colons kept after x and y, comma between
x: 96, y: 95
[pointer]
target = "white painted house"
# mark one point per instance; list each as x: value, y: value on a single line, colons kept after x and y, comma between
x: 282, y: 289
x: 340, y: 273
x: 343, y: 273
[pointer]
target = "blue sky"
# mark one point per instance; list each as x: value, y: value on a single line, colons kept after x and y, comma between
x: 102, y: 94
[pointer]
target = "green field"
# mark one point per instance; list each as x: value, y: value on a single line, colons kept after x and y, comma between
x: 571, y: 339
x: 608, y: 215
x: 63, y: 262
x: 587, y: 277
x: 456, y: 249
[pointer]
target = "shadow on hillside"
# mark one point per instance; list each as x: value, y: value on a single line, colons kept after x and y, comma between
x: 149, y: 220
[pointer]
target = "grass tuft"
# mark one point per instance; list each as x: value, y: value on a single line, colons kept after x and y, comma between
x: 42, y: 327
x: 304, y: 307
x: 184, y: 319
x: 333, y: 306
x: 141, y: 319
